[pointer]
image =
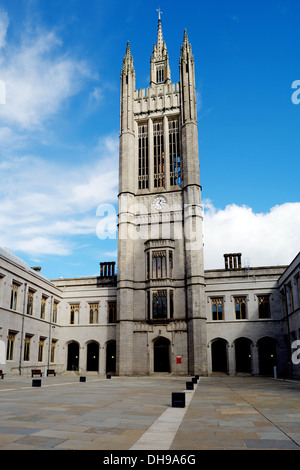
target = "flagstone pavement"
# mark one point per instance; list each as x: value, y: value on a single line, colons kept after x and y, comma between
x: 136, y: 413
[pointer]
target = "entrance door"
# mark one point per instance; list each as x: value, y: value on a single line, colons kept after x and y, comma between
x: 161, y: 355
x: 111, y: 356
x: 92, y: 362
x: 219, y: 355
x: 73, y: 356
x: 243, y: 355
x: 267, y: 356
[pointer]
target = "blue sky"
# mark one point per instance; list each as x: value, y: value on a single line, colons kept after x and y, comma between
x: 60, y: 61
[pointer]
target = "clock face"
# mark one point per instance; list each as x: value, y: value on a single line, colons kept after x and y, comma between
x: 159, y: 202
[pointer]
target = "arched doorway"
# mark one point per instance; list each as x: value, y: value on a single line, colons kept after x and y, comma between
x: 267, y: 355
x: 111, y: 357
x: 243, y: 355
x: 219, y: 355
x: 92, y: 360
x: 161, y: 355
x: 73, y: 356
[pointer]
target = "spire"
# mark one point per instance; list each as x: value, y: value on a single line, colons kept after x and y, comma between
x: 186, y: 48
x: 128, y: 52
x: 160, y: 42
x: 185, y: 37
x: 160, y: 72
x: 128, y: 60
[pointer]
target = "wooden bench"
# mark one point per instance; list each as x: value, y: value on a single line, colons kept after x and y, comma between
x: 36, y: 372
x: 2, y: 374
x: 51, y: 372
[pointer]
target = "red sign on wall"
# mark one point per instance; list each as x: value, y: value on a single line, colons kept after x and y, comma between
x: 178, y: 360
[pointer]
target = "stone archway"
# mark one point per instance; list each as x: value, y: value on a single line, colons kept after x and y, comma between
x: 92, y: 359
x: 267, y: 355
x: 243, y: 355
x: 111, y: 357
x: 219, y: 355
x: 161, y: 355
x: 73, y: 356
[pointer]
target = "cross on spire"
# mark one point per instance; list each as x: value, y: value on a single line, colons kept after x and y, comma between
x: 159, y: 12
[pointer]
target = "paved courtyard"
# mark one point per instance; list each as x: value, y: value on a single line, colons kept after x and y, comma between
x: 127, y: 413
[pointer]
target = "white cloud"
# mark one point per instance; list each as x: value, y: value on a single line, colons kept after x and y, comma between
x: 44, y: 205
x: 42, y: 245
x: 39, y: 77
x: 270, y: 238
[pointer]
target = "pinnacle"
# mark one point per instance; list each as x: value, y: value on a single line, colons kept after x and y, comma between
x: 160, y: 41
x: 128, y: 52
x: 185, y: 37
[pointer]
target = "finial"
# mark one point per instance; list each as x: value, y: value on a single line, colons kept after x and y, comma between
x: 185, y: 36
x: 159, y: 13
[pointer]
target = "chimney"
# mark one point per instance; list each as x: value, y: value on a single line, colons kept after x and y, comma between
x: 37, y: 269
x: 107, y: 269
x: 233, y: 261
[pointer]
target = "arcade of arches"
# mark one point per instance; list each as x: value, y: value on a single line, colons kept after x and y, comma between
x: 244, y: 360
x: 243, y: 356
x: 92, y: 357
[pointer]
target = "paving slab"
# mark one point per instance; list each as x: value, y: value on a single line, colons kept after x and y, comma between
x: 135, y: 414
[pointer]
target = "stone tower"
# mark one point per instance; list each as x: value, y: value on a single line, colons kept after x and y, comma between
x: 161, y: 320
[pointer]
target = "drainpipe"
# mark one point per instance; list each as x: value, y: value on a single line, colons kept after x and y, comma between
x: 50, y: 333
x: 22, y: 329
x: 289, y: 332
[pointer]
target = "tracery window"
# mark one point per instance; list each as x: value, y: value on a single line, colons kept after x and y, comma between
x: 74, y: 314
x: 264, y: 306
x: 54, y: 314
x: 240, y: 308
x: 297, y: 280
x: 112, y: 311
x: 160, y: 304
x: 290, y: 298
x: 30, y: 302
x: 143, y: 177
x: 159, y: 264
x: 14, y: 296
x: 160, y: 74
x: 174, y: 149
x: 93, y: 311
x: 41, y: 349
x: 27, y: 343
x: 10, y: 346
x: 43, y: 307
x: 53, y: 345
x: 217, y: 308
x: 159, y: 156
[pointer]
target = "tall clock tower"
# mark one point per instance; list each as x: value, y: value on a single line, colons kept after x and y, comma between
x: 161, y: 316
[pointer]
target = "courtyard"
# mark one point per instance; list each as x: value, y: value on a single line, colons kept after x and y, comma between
x: 135, y: 414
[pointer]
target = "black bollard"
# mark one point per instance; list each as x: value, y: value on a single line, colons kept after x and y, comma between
x: 36, y: 383
x: 178, y: 400
x: 189, y: 385
x: 82, y: 379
